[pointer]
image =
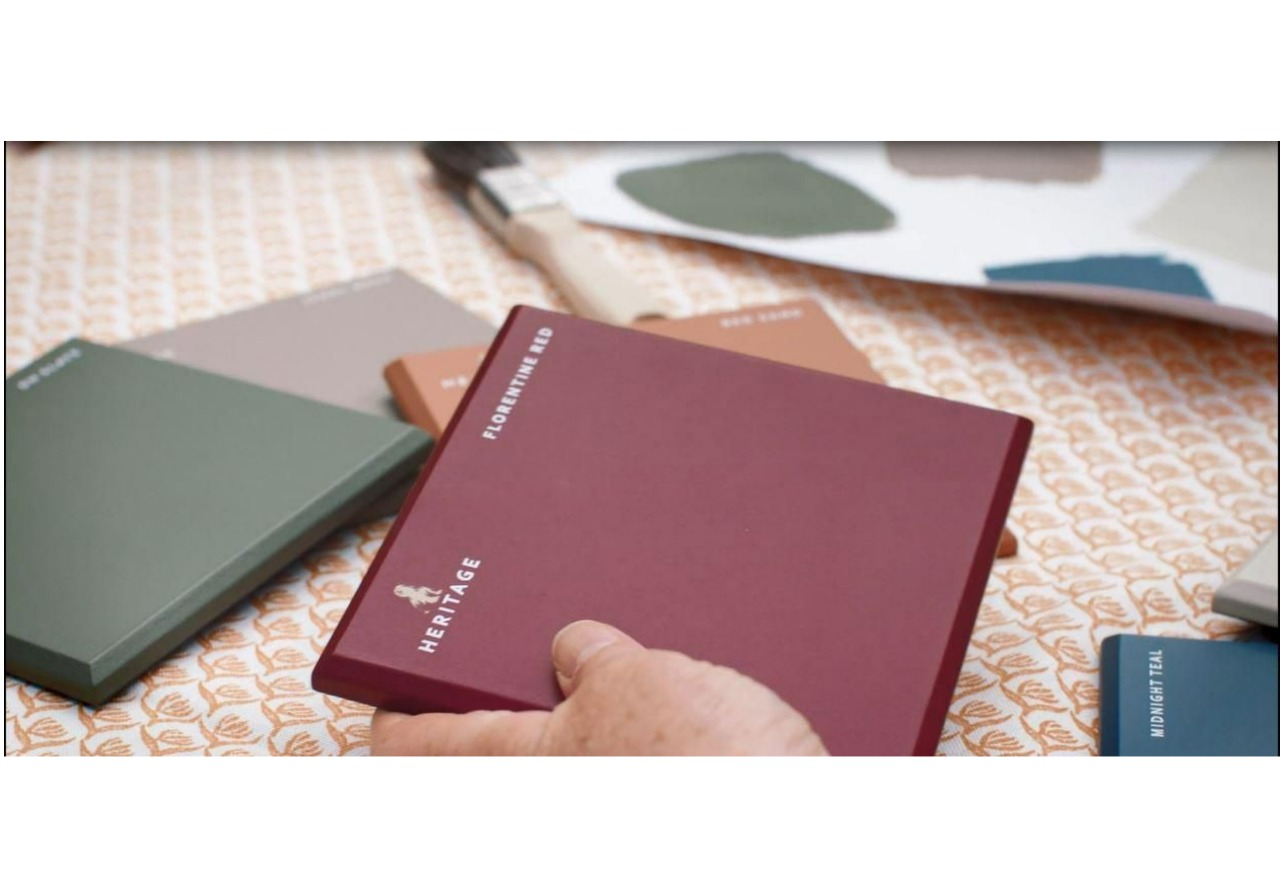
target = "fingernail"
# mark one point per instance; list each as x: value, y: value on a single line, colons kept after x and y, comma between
x: 579, y: 641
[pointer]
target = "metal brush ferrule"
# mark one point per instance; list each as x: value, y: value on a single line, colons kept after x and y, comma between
x: 515, y: 189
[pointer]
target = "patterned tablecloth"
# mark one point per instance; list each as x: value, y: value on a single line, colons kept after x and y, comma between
x: 1151, y: 475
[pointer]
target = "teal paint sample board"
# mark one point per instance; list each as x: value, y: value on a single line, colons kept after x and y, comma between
x: 1179, y: 697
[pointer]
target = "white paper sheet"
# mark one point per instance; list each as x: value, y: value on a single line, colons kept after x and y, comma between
x: 948, y: 230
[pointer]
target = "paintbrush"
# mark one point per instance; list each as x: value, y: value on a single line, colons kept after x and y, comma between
x: 522, y: 209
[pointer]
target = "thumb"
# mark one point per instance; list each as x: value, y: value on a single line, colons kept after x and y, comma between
x: 583, y: 645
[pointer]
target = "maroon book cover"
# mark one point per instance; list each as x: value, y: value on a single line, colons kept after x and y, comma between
x: 750, y: 513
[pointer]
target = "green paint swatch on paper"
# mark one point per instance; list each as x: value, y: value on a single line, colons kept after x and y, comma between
x: 756, y: 194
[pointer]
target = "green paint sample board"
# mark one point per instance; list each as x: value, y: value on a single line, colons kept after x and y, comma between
x: 143, y: 498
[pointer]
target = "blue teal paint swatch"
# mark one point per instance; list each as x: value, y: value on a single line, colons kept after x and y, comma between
x: 1179, y: 697
x: 1152, y: 272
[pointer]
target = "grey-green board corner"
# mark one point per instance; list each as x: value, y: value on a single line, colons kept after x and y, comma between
x: 144, y: 498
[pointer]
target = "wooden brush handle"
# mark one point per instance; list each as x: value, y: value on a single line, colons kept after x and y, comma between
x: 592, y: 286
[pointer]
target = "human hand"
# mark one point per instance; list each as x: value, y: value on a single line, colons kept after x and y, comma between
x: 621, y: 699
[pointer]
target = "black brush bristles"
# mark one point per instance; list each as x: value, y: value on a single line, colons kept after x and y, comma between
x: 458, y: 164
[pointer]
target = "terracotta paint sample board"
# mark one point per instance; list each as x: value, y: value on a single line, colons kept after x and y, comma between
x: 599, y: 472
x: 428, y: 386
x: 143, y: 499
x: 799, y: 333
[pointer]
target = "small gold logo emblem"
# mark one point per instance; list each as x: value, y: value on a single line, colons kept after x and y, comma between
x: 419, y: 596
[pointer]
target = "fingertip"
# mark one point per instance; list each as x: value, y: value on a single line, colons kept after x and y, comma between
x: 577, y: 642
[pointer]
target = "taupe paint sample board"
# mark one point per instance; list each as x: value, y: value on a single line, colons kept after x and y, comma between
x: 329, y: 345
